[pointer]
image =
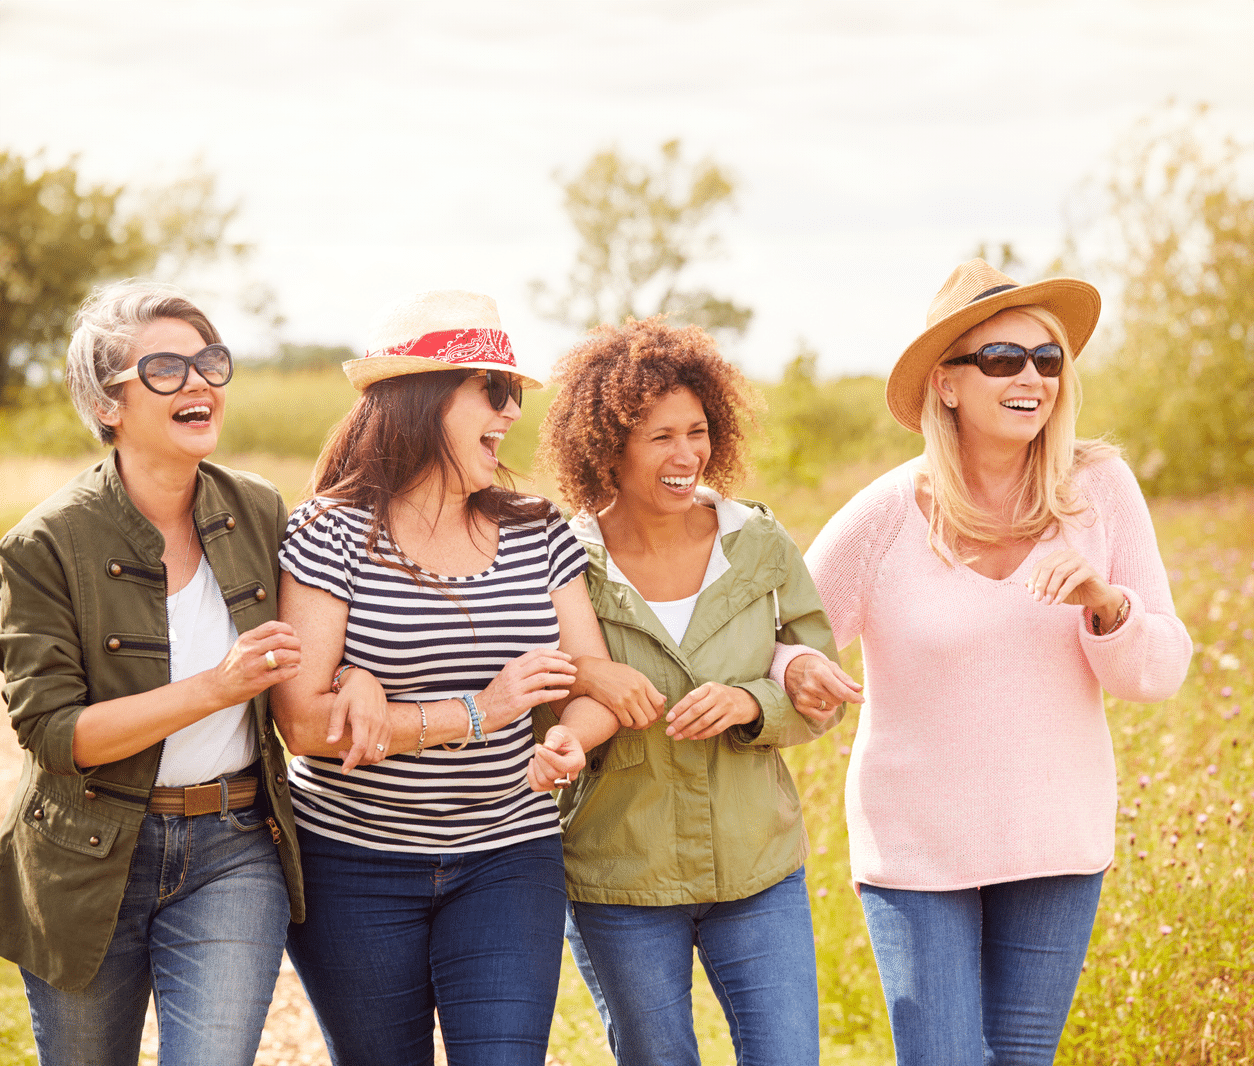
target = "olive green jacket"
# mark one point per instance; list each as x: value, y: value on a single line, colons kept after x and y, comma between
x: 83, y: 620
x: 653, y: 821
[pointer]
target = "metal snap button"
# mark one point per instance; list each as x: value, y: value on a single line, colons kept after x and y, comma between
x: 89, y: 794
x: 94, y: 841
x: 38, y: 814
x: 113, y: 644
x: 260, y: 594
x: 230, y: 522
x: 115, y: 569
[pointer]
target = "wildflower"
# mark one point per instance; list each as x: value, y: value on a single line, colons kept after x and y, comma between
x: 1165, y: 930
x: 1130, y: 1000
x: 1225, y: 692
x: 1248, y: 634
x: 821, y: 849
x: 1201, y: 844
x: 1212, y: 770
x: 821, y: 893
x: 1229, y: 662
x: 1141, y: 854
x: 1202, y: 818
x: 1143, y: 780
x: 844, y: 749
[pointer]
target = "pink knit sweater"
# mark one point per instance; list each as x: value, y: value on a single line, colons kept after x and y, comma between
x: 982, y: 752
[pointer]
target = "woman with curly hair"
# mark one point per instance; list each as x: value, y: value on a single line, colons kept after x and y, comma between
x: 686, y: 829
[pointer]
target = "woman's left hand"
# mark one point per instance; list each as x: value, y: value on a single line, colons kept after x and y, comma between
x: 710, y: 709
x: 363, y: 705
x: 1067, y: 577
x: 557, y: 762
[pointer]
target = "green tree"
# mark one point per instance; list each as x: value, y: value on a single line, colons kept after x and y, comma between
x: 59, y: 237
x: 640, y: 225
x: 1178, y: 387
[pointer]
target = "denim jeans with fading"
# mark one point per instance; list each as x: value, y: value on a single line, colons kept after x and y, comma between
x: 201, y: 927
x: 391, y: 936
x: 758, y: 953
x: 982, y: 976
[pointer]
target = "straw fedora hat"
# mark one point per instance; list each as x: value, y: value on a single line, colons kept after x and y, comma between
x: 443, y: 330
x: 973, y: 292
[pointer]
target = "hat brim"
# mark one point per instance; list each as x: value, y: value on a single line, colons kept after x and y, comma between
x: 1076, y: 304
x: 366, y: 371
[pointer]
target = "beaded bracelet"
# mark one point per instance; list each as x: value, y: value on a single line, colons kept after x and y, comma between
x: 473, y: 711
x: 335, y: 681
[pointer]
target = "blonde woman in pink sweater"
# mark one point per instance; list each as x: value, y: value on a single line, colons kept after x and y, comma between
x: 999, y: 583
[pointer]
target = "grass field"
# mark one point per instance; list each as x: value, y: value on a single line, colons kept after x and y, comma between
x: 1170, y: 972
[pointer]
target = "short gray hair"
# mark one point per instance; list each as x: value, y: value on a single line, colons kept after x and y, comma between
x: 104, y: 331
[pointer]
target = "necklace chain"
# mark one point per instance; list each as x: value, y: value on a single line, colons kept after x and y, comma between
x: 174, y: 637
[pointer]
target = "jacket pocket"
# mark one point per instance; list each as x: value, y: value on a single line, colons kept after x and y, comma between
x: 68, y: 827
x: 620, y: 752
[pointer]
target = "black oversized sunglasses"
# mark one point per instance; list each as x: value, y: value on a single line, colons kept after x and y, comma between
x: 1005, y: 360
x: 502, y: 388
x: 166, y: 372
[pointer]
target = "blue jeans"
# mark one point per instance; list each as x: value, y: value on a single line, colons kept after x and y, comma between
x: 981, y: 976
x: 201, y: 926
x: 758, y: 953
x: 391, y: 936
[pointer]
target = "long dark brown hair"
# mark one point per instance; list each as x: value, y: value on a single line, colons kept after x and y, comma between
x: 393, y: 437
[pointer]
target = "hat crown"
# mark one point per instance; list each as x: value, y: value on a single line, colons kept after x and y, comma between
x: 431, y: 312
x: 969, y: 282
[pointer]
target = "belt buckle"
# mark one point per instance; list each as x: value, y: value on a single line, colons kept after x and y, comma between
x: 202, y: 799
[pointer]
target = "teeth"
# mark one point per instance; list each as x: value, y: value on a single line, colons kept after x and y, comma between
x: 193, y: 414
x: 494, y: 435
x: 1022, y: 404
x: 679, y: 482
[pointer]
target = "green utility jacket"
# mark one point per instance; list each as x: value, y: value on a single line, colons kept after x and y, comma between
x: 83, y: 620
x: 653, y: 821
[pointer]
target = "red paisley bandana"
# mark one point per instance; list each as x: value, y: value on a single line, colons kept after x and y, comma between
x: 458, y: 346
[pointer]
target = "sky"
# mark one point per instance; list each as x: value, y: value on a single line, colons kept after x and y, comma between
x: 379, y: 148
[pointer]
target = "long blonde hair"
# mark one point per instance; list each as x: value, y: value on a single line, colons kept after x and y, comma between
x: 1045, y: 495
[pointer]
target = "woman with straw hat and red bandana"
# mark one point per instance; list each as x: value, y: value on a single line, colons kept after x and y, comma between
x: 999, y: 583
x: 436, y: 610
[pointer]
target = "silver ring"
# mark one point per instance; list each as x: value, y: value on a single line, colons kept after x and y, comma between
x: 822, y: 705
x: 381, y: 747
x: 562, y: 782
x: 271, y: 661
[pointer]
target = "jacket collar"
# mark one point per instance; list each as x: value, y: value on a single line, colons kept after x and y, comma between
x: 146, y: 538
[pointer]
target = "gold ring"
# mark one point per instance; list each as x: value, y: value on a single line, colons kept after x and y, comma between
x: 271, y: 661
x: 822, y: 705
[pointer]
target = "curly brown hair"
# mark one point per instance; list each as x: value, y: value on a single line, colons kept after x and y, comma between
x: 608, y: 384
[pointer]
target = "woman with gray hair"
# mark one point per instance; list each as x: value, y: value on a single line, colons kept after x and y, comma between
x: 151, y: 846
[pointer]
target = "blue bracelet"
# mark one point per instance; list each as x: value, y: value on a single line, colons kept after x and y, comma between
x: 473, y: 711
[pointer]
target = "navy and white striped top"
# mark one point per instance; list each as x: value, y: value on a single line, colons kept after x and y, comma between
x: 421, y: 644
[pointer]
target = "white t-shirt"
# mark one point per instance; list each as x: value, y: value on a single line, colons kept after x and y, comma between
x: 201, y: 633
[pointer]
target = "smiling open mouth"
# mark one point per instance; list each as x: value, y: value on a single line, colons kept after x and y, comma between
x: 1021, y: 405
x: 491, y: 441
x: 680, y: 482
x: 189, y: 415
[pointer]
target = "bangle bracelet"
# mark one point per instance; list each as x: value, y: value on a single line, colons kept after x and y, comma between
x: 475, y: 721
x: 1121, y: 616
x: 335, y: 681
x: 470, y: 727
x: 422, y: 736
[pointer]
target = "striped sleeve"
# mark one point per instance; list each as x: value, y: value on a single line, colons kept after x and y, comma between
x: 319, y: 550
x: 567, y: 559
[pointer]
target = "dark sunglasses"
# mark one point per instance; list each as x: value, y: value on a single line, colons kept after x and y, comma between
x: 1004, y: 360
x: 166, y: 372
x: 502, y: 388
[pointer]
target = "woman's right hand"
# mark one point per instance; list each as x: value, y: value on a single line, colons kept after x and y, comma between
x: 817, y: 686
x: 538, y: 676
x: 632, y: 697
x: 245, y: 671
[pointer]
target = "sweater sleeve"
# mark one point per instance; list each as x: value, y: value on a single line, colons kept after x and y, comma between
x: 845, y: 557
x: 1145, y: 660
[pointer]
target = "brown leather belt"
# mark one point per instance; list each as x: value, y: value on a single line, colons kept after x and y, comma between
x: 204, y: 799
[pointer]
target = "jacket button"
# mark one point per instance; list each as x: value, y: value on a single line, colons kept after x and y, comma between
x: 115, y: 569
x: 38, y: 814
x: 93, y: 841
x: 113, y: 644
x: 260, y: 594
x: 230, y: 522
x: 595, y: 765
x: 89, y: 794
x: 280, y: 778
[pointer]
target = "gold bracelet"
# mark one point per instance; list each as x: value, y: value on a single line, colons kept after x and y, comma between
x: 422, y: 736
x: 470, y: 730
x: 1121, y: 616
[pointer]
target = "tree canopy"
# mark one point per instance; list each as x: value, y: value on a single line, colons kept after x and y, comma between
x: 59, y: 238
x: 640, y: 226
x: 1178, y: 388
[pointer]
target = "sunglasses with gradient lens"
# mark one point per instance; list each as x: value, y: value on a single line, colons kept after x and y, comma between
x: 1005, y: 360
x: 166, y: 372
x: 502, y: 388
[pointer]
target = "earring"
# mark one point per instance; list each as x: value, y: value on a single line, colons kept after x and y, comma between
x: 951, y: 403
